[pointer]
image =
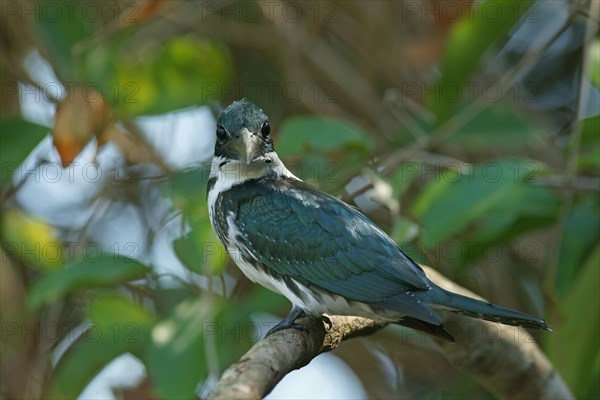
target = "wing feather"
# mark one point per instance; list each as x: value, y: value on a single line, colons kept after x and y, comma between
x: 299, y: 232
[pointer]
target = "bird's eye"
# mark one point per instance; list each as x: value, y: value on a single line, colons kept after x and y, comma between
x: 265, y: 131
x: 221, y: 133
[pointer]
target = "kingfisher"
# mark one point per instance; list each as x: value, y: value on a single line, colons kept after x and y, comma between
x: 324, y: 255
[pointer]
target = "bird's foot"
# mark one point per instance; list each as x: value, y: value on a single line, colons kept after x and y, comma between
x: 288, y: 322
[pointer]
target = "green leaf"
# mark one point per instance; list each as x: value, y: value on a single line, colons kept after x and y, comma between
x: 590, y: 127
x: 82, y: 362
x: 201, y: 251
x: 31, y: 240
x: 449, y: 205
x: 176, y: 359
x: 489, y: 227
x: 581, y: 233
x: 304, y: 134
x: 574, y: 347
x: 122, y: 317
x: 19, y: 137
x: 498, y: 127
x: 117, y: 326
x: 107, y: 270
x: 469, y: 39
x: 445, y: 208
x: 526, y: 208
x: 589, y: 157
x: 594, y: 63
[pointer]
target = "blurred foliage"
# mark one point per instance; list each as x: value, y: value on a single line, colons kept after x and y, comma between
x: 315, y: 147
x: 118, y: 326
x: 105, y: 270
x: 16, y: 146
x: 25, y: 231
x: 199, y: 249
x: 499, y: 127
x: 488, y: 190
x: 177, y: 74
x: 300, y: 135
x: 577, y: 359
x: 469, y: 39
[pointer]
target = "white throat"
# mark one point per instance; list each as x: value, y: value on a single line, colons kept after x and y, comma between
x: 233, y: 172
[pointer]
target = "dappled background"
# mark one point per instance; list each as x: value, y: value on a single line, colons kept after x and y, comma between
x: 469, y: 132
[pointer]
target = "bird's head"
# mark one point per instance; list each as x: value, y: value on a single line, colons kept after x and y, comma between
x: 244, y: 134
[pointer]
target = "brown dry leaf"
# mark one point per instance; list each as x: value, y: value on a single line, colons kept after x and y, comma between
x: 79, y: 116
x: 149, y: 8
x: 446, y: 13
x: 142, y: 390
x: 134, y: 12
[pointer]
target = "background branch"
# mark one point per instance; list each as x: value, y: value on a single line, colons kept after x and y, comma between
x: 503, y: 359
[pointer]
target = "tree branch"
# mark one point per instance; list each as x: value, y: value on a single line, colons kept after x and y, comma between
x: 503, y: 359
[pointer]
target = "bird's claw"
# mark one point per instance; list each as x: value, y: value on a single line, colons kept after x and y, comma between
x: 289, y: 322
x: 280, y: 327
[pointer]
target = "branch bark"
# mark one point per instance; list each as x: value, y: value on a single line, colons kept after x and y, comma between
x: 503, y: 359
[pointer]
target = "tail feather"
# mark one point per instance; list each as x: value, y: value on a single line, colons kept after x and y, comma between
x: 432, y: 329
x: 483, y: 310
